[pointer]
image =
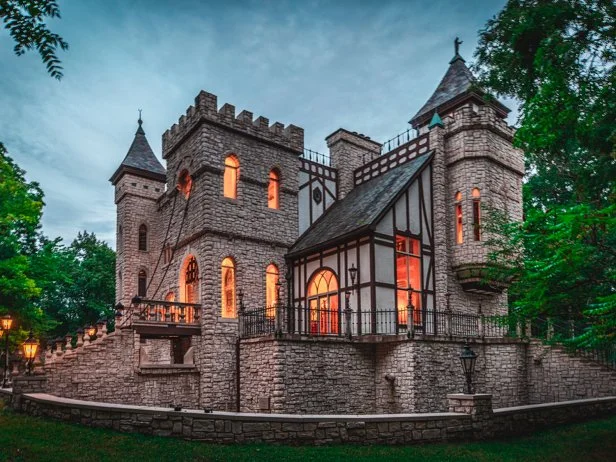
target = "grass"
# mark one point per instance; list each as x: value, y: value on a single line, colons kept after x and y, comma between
x: 24, y: 438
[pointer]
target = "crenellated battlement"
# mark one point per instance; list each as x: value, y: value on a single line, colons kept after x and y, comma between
x: 206, y: 110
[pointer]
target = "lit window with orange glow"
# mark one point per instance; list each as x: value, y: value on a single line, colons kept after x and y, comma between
x: 228, y: 288
x: 458, y: 211
x: 232, y: 170
x: 323, y: 303
x: 408, y: 278
x: 271, y: 290
x: 273, y: 190
x: 476, y: 214
x: 184, y: 183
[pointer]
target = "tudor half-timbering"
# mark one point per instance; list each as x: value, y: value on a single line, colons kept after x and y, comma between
x: 247, y: 235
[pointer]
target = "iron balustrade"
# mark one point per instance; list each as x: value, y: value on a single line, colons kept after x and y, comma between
x: 325, y: 322
x: 317, y: 157
x: 165, y: 312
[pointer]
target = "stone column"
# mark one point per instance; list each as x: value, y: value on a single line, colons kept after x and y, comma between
x: 479, y: 406
x: 27, y: 384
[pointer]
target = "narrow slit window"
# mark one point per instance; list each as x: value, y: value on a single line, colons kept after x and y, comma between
x: 228, y: 288
x: 143, y: 237
x: 271, y: 290
x: 142, y: 283
x: 458, y: 212
x: 273, y: 190
x: 476, y: 214
x: 232, y: 169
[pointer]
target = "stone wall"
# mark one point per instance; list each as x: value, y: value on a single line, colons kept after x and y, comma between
x: 473, y: 419
x: 325, y: 376
x: 555, y: 375
x: 107, y: 370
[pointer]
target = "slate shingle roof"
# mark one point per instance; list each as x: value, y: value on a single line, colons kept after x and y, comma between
x: 361, y: 208
x: 457, y: 80
x: 141, y: 159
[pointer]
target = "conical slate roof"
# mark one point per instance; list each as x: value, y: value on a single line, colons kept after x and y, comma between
x: 457, y: 80
x: 140, y: 160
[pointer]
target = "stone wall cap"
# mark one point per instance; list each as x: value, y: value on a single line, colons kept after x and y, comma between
x: 297, y: 418
x: 543, y: 406
x: 475, y: 397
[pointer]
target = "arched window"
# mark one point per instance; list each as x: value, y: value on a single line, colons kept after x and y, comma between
x: 458, y: 212
x: 476, y: 214
x: 120, y: 287
x: 232, y: 169
x: 184, y: 183
x: 142, y: 280
x: 323, y: 303
x: 191, y: 280
x: 189, y: 290
x: 120, y: 238
x: 273, y: 190
x: 271, y: 289
x: 228, y: 288
x: 143, y: 237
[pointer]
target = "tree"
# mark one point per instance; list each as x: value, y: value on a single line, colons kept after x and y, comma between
x: 557, y: 58
x: 21, y: 205
x: 25, y: 21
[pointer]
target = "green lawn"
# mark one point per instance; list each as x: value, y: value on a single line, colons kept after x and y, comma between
x: 24, y: 438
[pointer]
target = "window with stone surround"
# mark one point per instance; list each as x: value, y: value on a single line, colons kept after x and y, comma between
x: 142, y: 280
x: 476, y: 214
x: 458, y: 212
x: 408, y: 278
x: 271, y: 290
x: 120, y: 238
x: 143, y: 237
x: 228, y: 288
x: 184, y: 183
x: 231, y: 176
x: 273, y: 190
x: 323, y: 301
x: 189, y: 286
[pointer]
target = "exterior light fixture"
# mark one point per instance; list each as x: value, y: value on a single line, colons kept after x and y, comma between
x: 353, y: 274
x: 30, y: 347
x: 468, y: 358
x: 6, y: 322
x: 119, y: 308
x: 91, y: 331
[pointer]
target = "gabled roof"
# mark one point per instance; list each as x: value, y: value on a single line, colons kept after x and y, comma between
x: 361, y: 209
x: 457, y: 84
x: 140, y: 160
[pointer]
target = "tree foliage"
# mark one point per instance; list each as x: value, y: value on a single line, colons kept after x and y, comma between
x: 25, y: 22
x: 557, y: 58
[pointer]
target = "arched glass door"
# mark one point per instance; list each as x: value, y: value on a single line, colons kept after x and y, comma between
x: 324, y: 314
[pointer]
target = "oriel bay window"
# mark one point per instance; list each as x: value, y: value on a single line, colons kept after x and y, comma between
x: 228, y: 288
x: 408, y: 278
x: 323, y: 303
x: 271, y: 291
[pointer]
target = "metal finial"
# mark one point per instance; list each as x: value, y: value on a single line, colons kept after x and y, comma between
x: 456, y: 43
x: 139, y: 121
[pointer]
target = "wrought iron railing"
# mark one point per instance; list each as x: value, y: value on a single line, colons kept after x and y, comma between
x: 317, y: 157
x: 158, y: 311
x: 338, y: 322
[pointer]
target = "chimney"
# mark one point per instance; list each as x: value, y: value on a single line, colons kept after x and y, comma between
x: 349, y: 151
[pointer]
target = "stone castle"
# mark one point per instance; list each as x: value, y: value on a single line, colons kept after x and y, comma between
x: 256, y: 275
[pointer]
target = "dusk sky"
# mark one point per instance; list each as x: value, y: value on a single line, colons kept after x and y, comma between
x: 364, y: 66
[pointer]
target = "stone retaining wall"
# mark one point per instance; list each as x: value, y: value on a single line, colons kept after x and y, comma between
x: 473, y: 419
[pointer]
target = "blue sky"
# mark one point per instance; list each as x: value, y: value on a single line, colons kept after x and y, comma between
x: 366, y: 66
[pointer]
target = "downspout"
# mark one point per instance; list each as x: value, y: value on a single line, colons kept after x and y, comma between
x: 237, y: 374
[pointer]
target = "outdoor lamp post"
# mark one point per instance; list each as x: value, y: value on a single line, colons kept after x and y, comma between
x: 7, y: 322
x: 30, y: 347
x: 91, y: 331
x: 468, y: 358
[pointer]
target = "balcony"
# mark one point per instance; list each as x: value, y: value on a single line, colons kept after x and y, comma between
x: 382, y: 322
x: 165, y: 318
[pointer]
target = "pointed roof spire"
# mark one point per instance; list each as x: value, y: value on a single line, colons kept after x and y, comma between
x: 140, y: 160
x: 457, y: 85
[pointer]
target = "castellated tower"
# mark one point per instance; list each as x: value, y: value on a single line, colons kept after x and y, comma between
x: 476, y: 169
x: 139, y: 181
